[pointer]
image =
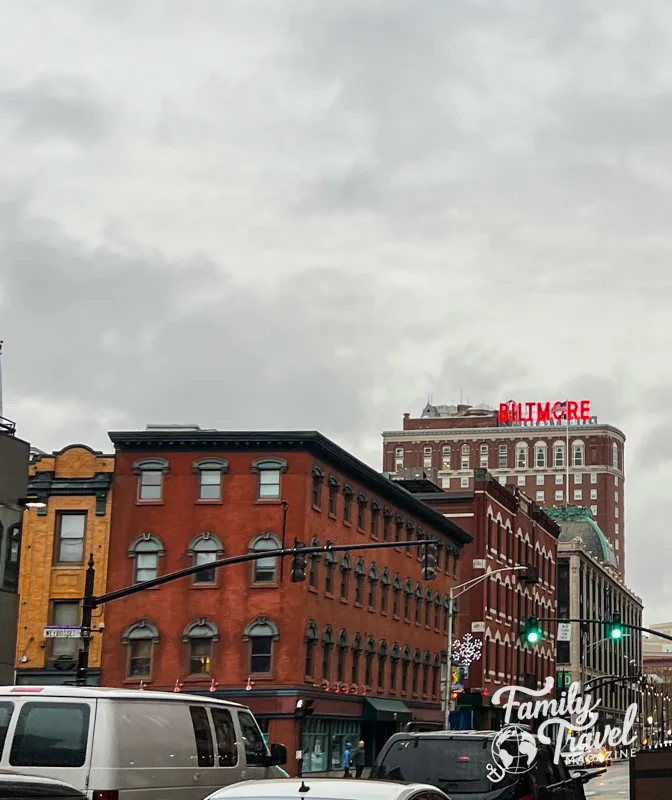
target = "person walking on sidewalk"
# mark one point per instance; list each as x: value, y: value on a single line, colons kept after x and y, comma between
x: 347, y: 760
x: 359, y: 759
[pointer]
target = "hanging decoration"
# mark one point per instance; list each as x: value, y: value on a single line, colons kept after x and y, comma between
x: 213, y: 685
x: 250, y: 684
x: 178, y: 686
x: 466, y: 650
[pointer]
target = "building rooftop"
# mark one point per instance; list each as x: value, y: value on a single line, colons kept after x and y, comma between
x: 576, y: 522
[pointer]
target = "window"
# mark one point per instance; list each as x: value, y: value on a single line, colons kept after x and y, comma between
x: 225, y: 735
x: 521, y: 455
x: 445, y: 456
x: 559, y: 494
x: 146, y: 551
x: 540, y: 455
x: 261, y: 633
x: 427, y: 458
x: 270, y: 472
x: 394, y: 666
x: 265, y: 570
x: 311, y: 641
x: 616, y: 512
x: 398, y: 528
x: 416, y: 671
x: 382, y: 659
x: 384, y: 591
x: 70, y: 530
x: 483, y: 456
x: 66, y: 613
x: 521, y: 480
x: 209, y: 473
x: 253, y: 740
x: 150, y: 473
x: 428, y: 608
x: 205, y: 549
x: 578, y: 459
x: 614, y: 455
x: 361, y: 508
x: 593, y: 510
x: 346, y: 569
x: 437, y: 611
x: 615, y: 480
x: 578, y: 494
x: 616, y: 529
x: 540, y: 479
x: 593, y: 494
x: 503, y: 461
x: 375, y: 516
x: 408, y: 594
x: 436, y: 677
x: 327, y: 647
x: 373, y: 582
x: 359, y: 581
x: 617, y: 544
x: 342, y: 653
x: 464, y: 457
x: 398, y: 452
x: 615, y: 497
x: 558, y: 454
x: 396, y: 595
x: 368, y: 662
x: 199, y: 637
x: 140, y: 638
x: 593, y: 477
x: 559, y: 480
x: 356, y: 653
x: 405, y: 663
x: 347, y: 503
x: 578, y: 477
x: 426, y: 666
x: 387, y: 516
x: 464, y: 483
x: 418, y: 604
x: 314, y: 564
x: 318, y: 480
x: 330, y: 565
x: 540, y: 497
x: 398, y: 459
x: 333, y: 495
x: 51, y: 735
x: 203, y: 736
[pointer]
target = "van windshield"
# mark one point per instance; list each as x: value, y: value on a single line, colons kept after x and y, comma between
x: 454, y: 765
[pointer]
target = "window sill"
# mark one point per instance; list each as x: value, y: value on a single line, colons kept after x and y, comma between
x: 317, y: 508
x: 313, y: 589
x: 270, y: 501
x: 264, y: 676
x: 331, y: 515
x: 344, y: 600
x: 68, y: 565
x: 330, y: 595
x: 347, y: 523
x: 203, y: 502
x: 358, y: 605
x: 149, y: 502
x: 362, y: 531
x: 371, y: 609
x: 199, y: 586
x: 265, y: 585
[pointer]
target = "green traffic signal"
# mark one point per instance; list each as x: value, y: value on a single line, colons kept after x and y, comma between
x: 615, y: 627
x: 533, y: 632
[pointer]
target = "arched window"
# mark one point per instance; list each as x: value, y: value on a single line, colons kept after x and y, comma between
x: 438, y: 603
x: 360, y: 573
x: 348, y: 494
x: 558, y: 454
x: 330, y: 565
x: 346, y: 569
x: 436, y: 677
x: 410, y: 528
x: 614, y: 455
x: 205, y: 549
x: 373, y: 582
x: 384, y: 590
x: 426, y: 666
x: 209, y: 473
x: 333, y: 494
x: 140, y: 638
x: 540, y: 450
x: 405, y: 663
x: 418, y: 604
x: 382, y: 660
x: 261, y: 633
x: 398, y: 527
x: 270, y: 472
x: 396, y: 595
x: 342, y: 654
x: 428, y: 607
x: 368, y: 662
x: 356, y: 654
x: 327, y: 647
x: 387, y: 517
x: 318, y: 480
x: 150, y: 473
x: 578, y: 453
x: 395, y: 655
x: 146, y: 551
x: 200, y: 636
x: 311, y: 640
x: 12, y: 557
x: 416, y: 671
x: 315, y: 558
x: 265, y: 570
x: 362, y: 502
x: 408, y: 594
x: 521, y: 455
x: 446, y: 615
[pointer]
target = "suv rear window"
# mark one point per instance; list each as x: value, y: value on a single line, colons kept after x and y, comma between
x: 453, y: 765
x: 5, y: 716
x: 51, y: 735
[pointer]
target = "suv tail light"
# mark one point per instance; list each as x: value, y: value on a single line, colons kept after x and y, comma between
x: 106, y: 794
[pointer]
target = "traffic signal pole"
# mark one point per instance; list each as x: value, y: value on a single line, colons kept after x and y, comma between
x: 91, y: 601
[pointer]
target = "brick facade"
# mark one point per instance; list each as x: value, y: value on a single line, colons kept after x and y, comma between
x: 74, y: 481
x: 294, y: 615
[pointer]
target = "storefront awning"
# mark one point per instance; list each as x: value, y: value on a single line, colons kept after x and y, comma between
x: 381, y: 710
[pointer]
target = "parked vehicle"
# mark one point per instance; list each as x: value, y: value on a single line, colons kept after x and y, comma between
x: 29, y: 787
x: 327, y: 789
x: 118, y: 744
x: 457, y: 763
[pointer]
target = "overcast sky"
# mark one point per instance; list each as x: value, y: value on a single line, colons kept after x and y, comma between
x: 286, y: 214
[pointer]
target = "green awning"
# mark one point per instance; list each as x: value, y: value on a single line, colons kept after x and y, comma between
x: 382, y: 710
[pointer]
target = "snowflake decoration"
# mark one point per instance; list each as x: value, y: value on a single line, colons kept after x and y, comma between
x: 467, y: 650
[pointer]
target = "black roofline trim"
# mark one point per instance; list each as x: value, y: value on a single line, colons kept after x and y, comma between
x: 313, y: 441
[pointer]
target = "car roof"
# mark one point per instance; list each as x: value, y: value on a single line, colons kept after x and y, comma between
x: 109, y: 693
x: 320, y: 789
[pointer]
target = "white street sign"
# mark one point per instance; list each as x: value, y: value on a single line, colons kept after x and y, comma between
x: 479, y: 563
x: 478, y: 627
x: 564, y: 631
x: 62, y: 632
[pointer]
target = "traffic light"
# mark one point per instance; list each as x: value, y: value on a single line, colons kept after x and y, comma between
x: 615, y: 627
x: 533, y: 632
x: 304, y: 708
x: 299, y: 562
x: 429, y: 562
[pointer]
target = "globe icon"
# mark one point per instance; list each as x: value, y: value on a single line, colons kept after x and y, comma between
x: 514, y: 749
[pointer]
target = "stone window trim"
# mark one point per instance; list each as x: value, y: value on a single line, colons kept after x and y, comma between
x: 269, y: 462
x: 333, y: 482
x: 141, y: 629
x: 259, y: 622
x: 206, y: 536
x: 317, y: 472
x: 311, y: 632
x: 146, y: 537
x: 208, y: 630
x: 213, y: 464
x: 343, y: 639
x: 357, y: 642
x: 328, y: 636
x: 152, y: 464
x: 362, y: 499
x: 346, y: 563
x: 385, y: 577
x: 347, y: 489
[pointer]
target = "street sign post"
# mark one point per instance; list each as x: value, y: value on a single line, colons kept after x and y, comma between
x: 564, y: 632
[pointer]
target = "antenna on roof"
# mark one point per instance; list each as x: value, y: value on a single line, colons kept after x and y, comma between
x: 1, y: 343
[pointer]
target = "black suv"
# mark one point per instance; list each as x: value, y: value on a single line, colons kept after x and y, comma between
x: 456, y: 762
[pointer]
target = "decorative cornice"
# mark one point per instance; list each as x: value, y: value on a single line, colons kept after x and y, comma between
x: 501, y: 432
x: 46, y: 484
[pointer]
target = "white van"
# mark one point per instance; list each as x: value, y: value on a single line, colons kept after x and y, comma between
x: 117, y: 744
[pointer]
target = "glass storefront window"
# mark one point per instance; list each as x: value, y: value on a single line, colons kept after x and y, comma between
x: 324, y: 741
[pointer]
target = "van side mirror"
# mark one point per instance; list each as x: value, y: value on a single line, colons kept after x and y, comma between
x: 278, y: 755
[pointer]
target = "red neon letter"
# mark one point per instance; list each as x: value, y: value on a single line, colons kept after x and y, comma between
x: 530, y: 412
x: 543, y: 412
x: 585, y: 410
x: 572, y: 410
x: 503, y: 415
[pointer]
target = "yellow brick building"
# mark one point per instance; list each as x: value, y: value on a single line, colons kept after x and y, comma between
x: 76, y: 486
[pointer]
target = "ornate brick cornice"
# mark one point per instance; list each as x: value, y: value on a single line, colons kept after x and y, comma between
x: 46, y: 484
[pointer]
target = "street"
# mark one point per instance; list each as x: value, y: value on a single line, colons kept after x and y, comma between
x: 613, y: 785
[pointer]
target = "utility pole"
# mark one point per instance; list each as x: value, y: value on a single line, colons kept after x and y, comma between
x: 85, y: 630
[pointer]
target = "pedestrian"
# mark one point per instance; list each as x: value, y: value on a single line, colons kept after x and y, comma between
x: 347, y: 760
x: 358, y: 760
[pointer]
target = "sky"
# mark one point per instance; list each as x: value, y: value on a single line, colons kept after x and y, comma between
x: 285, y: 214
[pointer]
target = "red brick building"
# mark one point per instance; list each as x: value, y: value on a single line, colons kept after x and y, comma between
x: 508, y: 529
x: 449, y: 442
x: 364, y: 636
